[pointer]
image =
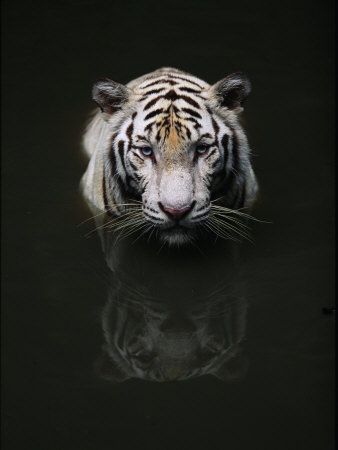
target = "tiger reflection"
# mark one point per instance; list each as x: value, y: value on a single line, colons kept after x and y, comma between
x: 171, y: 317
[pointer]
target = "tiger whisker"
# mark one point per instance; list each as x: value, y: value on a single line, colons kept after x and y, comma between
x: 227, y: 226
x: 123, y: 235
x: 222, y: 221
x: 135, y: 205
x: 117, y: 221
x: 232, y: 219
x: 220, y: 232
x: 112, y: 221
x: 232, y: 211
x: 131, y: 231
x: 212, y: 228
x: 129, y: 221
x: 127, y: 227
x: 237, y: 212
x: 90, y: 218
x: 129, y: 224
x: 219, y: 198
x: 126, y: 216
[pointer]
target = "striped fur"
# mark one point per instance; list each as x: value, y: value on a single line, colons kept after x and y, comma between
x: 199, y: 151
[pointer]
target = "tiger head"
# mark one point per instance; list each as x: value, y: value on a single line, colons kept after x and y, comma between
x: 170, y: 144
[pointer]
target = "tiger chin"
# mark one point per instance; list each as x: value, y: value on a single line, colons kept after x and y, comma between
x: 169, y: 158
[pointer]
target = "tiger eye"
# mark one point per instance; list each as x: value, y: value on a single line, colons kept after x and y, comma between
x: 201, y: 149
x: 147, y: 151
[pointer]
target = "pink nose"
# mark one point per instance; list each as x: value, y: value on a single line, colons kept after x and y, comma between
x: 176, y: 214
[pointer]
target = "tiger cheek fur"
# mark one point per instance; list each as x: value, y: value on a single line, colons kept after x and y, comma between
x: 173, y: 142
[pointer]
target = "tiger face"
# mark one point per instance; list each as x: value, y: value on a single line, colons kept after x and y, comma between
x: 172, y: 143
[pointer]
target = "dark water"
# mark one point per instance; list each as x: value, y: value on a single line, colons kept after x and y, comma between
x: 240, y: 332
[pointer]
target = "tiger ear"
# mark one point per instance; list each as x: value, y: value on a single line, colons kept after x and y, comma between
x: 108, y: 369
x: 233, y: 370
x: 231, y: 91
x: 109, y: 95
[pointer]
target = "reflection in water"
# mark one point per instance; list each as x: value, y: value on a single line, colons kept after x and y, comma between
x: 171, y: 314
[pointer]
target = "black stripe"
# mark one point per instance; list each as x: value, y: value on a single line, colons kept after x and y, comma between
x: 120, y: 146
x: 130, y: 129
x: 114, y: 177
x: 133, y: 167
x: 154, y: 113
x: 192, y: 91
x: 190, y: 119
x: 137, y: 177
x: 215, y: 163
x: 187, y: 131
x: 190, y: 101
x: 152, y: 91
x: 151, y: 209
x: 229, y: 184
x: 213, y: 121
x: 171, y: 95
x: 225, y: 142
x: 210, y: 154
x: 186, y: 89
x: 113, y: 162
x: 215, y: 126
x: 149, y: 127
x: 121, y: 186
x: 144, y: 188
x: 235, y: 155
x: 209, y: 182
x: 176, y: 77
x: 156, y: 219
x: 138, y: 156
x: 235, y: 162
x: 158, y: 135
x: 202, y: 207
x: 176, y: 110
x: 142, y: 138
x: 112, y: 155
x: 158, y: 81
x: 192, y: 112
x: 152, y: 102
x: 205, y: 135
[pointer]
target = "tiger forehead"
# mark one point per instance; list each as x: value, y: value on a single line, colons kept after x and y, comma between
x: 172, y: 109
x: 173, y: 79
x: 171, y: 127
x: 167, y: 89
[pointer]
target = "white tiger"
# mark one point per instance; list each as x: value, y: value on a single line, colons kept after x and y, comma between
x: 164, y: 148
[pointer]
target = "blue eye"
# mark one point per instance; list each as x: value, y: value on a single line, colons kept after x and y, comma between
x: 147, y: 151
x: 201, y: 149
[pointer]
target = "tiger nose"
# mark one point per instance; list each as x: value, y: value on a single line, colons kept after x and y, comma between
x: 176, y: 214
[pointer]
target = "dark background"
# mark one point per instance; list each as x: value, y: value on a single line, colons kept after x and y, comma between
x: 52, y: 289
